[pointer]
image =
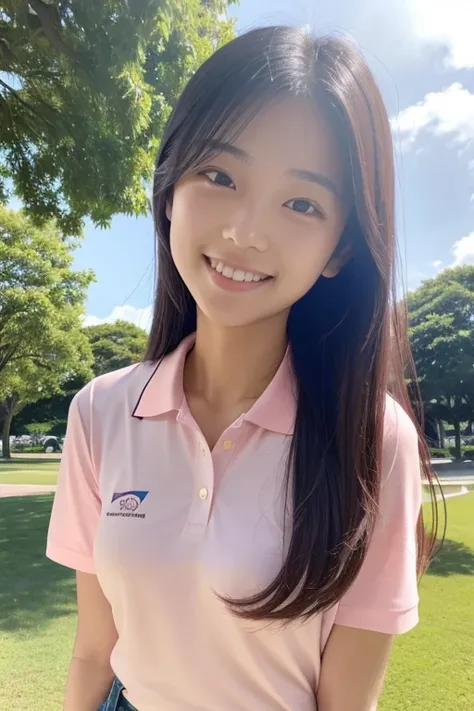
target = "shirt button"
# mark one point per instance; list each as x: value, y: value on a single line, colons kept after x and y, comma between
x: 227, y: 444
x: 203, y: 493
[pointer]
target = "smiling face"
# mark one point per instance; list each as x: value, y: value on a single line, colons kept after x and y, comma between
x: 253, y: 228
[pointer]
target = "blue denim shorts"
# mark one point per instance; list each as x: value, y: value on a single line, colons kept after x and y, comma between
x: 115, y: 701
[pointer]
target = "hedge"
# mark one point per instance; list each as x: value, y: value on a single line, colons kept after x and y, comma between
x: 440, y: 453
x: 466, y: 452
x: 27, y: 449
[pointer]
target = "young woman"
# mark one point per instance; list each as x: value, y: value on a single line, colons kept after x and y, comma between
x: 242, y: 507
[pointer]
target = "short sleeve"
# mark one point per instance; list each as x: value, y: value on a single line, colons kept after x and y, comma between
x: 77, y: 504
x: 384, y: 596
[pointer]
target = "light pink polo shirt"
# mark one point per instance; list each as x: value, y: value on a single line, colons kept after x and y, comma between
x: 164, y: 522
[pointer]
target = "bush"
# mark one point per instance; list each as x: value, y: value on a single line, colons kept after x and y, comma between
x: 56, y: 428
x: 466, y: 452
x: 437, y: 453
x: 27, y: 449
x: 38, y: 428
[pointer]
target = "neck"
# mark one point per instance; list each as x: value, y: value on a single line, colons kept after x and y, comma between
x: 230, y: 366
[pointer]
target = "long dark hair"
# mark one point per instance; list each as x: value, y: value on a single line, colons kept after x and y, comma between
x: 346, y: 344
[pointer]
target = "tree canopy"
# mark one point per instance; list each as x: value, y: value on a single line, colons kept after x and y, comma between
x: 115, y: 345
x: 441, y: 320
x: 85, y: 90
x: 42, y: 344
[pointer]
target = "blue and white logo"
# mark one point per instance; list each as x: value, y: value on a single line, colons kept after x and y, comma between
x: 127, y: 502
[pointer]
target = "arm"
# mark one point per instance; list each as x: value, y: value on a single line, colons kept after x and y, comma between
x: 353, y: 669
x: 72, y: 530
x: 90, y: 674
x: 383, y: 600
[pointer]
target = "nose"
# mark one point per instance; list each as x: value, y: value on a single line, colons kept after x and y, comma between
x: 247, y: 230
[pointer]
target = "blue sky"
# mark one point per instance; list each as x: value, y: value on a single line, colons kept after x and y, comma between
x: 423, y: 56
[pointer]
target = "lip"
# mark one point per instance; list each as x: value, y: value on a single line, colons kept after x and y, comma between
x: 231, y: 285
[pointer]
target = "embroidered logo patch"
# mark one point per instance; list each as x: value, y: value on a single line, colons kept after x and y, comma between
x: 126, y: 503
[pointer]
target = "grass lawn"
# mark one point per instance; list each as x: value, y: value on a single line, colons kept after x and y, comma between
x: 29, y: 470
x: 37, y: 610
x: 431, y: 667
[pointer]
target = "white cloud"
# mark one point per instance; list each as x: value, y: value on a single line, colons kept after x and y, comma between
x: 443, y: 113
x: 140, y: 317
x: 463, y: 251
x: 446, y: 22
x: 437, y: 265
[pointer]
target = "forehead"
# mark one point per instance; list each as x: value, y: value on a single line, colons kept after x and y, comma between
x: 294, y: 133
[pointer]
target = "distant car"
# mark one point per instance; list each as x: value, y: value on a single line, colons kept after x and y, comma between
x: 51, y: 445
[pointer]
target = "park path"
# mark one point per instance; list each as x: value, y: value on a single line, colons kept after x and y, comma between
x: 7, y: 490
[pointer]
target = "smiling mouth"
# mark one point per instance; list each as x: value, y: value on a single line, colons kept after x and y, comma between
x: 235, y: 274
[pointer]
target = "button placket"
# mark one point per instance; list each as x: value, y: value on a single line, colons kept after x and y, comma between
x: 201, y: 504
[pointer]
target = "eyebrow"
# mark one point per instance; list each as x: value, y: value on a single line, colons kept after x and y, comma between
x: 223, y: 147
x: 318, y: 178
x: 309, y: 175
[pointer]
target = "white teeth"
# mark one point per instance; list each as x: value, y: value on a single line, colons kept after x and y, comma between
x: 234, y: 274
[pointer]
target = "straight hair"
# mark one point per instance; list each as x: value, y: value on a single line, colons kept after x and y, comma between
x: 347, y: 341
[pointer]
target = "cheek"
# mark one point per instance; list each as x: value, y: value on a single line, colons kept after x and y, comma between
x: 304, y: 259
x: 185, y: 227
x: 194, y: 219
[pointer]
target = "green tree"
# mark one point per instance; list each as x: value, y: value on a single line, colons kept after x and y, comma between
x: 86, y: 89
x: 42, y: 344
x: 115, y: 345
x: 441, y: 320
x: 26, y: 381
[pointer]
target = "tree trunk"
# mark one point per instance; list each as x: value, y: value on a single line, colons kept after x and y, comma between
x: 442, y: 442
x: 6, y: 434
x: 457, y: 439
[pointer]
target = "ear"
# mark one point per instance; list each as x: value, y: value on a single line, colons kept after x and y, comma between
x: 338, y: 260
x: 168, y: 209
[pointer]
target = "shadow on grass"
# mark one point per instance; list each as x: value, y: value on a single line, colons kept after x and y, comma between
x: 454, y: 559
x: 32, y: 588
x: 29, y: 461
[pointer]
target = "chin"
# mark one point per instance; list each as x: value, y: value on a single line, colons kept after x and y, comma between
x: 226, y: 314
x: 230, y: 318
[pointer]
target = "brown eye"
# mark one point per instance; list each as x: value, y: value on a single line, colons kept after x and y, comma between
x: 303, y: 207
x: 219, y: 178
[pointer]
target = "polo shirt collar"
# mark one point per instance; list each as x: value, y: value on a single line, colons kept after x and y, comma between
x: 274, y: 410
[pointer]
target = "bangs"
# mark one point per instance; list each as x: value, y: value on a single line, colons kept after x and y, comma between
x: 227, y: 92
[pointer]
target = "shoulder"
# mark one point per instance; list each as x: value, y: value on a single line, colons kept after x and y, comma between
x: 110, y: 392
x: 399, y: 430
x: 400, y: 472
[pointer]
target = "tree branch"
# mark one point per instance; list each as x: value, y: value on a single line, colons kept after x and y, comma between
x: 47, y: 15
x: 26, y: 105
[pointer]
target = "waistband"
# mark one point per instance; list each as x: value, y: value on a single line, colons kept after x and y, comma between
x: 116, y: 701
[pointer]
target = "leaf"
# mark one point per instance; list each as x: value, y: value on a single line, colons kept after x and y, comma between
x: 41, y: 309
x: 88, y: 84
x: 441, y: 329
